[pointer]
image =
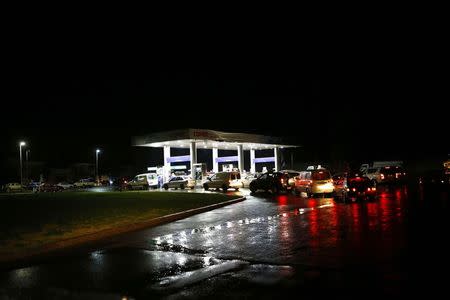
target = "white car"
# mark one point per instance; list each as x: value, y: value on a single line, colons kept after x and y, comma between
x: 246, y: 179
x: 84, y: 183
x: 181, y: 182
x: 224, y: 181
x: 143, y: 181
x: 65, y: 185
x: 13, y: 187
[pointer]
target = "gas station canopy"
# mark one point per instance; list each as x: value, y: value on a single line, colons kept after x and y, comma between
x: 194, y: 139
x: 209, y: 139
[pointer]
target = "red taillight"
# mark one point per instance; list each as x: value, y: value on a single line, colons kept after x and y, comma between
x: 353, y: 189
x: 382, y: 176
x: 368, y: 189
x: 374, y: 189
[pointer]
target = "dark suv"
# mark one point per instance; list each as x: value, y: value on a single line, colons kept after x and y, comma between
x: 274, y: 182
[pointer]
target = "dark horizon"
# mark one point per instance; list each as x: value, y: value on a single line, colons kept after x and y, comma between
x: 350, y: 118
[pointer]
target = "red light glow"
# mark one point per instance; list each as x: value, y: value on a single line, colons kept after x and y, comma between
x: 282, y: 199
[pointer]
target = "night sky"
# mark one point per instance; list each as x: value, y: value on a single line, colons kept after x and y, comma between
x: 354, y: 115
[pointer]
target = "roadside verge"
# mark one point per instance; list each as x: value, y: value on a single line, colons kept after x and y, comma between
x: 64, y: 247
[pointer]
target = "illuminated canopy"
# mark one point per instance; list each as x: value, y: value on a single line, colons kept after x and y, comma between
x: 209, y: 139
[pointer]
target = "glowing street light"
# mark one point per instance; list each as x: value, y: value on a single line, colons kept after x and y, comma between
x: 21, y: 144
x: 96, y: 165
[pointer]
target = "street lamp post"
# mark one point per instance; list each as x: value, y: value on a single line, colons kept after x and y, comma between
x: 21, y: 144
x: 96, y: 165
x: 27, y: 172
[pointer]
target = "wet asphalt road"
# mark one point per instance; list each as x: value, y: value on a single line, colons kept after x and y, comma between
x: 266, y: 246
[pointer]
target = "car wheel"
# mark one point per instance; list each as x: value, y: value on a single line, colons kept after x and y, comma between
x: 224, y: 188
x: 182, y: 186
x: 192, y: 187
x: 166, y: 187
x: 205, y: 186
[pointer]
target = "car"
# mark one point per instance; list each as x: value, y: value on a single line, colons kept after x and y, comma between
x: 274, y: 182
x: 33, y: 185
x: 50, y: 188
x: 143, y: 181
x: 65, y: 185
x: 84, y: 183
x: 181, y: 182
x: 386, y: 174
x: 354, y: 186
x: 311, y: 182
x: 247, y: 179
x: 121, y: 183
x: 224, y: 181
x: 13, y: 187
x: 292, y: 174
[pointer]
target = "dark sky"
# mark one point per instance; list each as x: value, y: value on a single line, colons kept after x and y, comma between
x: 368, y: 111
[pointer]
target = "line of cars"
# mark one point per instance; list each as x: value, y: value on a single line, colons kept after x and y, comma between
x: 346, y: 186
x: 15, y: 187
x: 36, y: 186
x: 147, y: 181
x: 349, y: 185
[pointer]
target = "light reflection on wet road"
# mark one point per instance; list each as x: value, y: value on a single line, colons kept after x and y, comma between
x: 264, y: 241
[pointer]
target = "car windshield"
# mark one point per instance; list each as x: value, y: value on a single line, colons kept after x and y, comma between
x: 321, y: 175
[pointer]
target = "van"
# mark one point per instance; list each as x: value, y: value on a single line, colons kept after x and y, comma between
x: 224, y: 181
x: 144, y: 181
x: 313, y: 182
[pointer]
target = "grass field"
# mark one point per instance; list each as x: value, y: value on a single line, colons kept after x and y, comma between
x: 31, y: 220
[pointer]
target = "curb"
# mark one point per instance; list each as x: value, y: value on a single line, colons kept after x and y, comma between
x: 64, y: 246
